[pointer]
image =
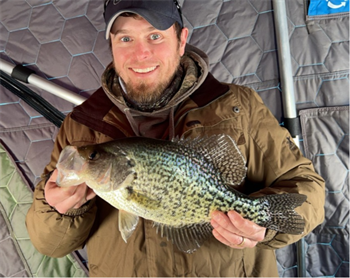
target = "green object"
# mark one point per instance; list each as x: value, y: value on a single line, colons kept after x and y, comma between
x: 18, y: 256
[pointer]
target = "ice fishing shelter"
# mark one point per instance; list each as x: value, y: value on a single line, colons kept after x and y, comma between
x: 63, y: 42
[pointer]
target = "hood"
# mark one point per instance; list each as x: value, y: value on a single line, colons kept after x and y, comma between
x: 159, y: 123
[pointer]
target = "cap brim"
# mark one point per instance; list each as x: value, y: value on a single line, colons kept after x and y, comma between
x: 160, y: 22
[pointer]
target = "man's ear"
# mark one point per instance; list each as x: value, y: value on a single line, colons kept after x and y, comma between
x: 183, y: 40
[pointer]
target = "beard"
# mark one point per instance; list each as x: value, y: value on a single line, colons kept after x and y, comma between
x: 145, y: 95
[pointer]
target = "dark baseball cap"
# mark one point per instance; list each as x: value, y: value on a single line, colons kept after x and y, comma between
x: 162, y: 14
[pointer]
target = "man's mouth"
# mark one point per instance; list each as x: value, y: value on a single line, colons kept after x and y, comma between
x: 145, y: 70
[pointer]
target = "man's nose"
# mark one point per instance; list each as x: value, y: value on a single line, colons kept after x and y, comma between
x: 142, y: 50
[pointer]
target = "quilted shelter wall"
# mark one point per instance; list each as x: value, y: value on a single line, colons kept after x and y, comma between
x: 331, y: 160
x: 63, y: 41
x: 18, y: 256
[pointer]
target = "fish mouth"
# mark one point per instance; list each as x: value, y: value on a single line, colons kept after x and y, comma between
x: 65, y: 179
x: 70, y: 164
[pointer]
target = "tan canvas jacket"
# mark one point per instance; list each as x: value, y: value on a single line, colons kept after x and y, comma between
x: 275, y: 165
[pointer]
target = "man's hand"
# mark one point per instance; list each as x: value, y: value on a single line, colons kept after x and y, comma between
x: 235, y: 231
x: 65, y: 198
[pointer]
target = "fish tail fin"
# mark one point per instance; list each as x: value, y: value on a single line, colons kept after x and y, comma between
x: 283, y: 217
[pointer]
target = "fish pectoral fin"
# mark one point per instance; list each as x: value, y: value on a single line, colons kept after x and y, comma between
x: 187, y: 238
x: 142, y: 200
x: 127, y: 224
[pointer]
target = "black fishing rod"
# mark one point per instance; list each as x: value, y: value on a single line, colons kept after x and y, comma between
x: 32, y: 99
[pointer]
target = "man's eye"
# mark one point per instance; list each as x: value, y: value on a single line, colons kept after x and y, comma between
x: 125, y: 39
x: 155, y: 36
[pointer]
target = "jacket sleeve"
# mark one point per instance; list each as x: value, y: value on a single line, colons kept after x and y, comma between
x: 54, y: 234
x: 278, y: 166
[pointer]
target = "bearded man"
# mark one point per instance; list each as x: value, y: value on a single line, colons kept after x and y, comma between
x: 160, y: 87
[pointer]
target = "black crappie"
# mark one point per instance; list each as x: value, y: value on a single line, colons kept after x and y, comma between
x: 177, y: 184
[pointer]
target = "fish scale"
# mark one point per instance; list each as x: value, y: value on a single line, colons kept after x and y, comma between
x: 177, y: 184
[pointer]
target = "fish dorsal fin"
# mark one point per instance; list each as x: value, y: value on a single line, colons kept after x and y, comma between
x: 222, y: 151
x: 188, y: 238
x: 127, y: 224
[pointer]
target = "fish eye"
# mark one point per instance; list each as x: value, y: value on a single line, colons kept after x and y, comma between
x: 94, y: 155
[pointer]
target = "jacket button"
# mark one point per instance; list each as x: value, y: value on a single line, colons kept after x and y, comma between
x: 235, y: 109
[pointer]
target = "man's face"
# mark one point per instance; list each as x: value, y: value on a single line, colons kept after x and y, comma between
x: 144, y: 57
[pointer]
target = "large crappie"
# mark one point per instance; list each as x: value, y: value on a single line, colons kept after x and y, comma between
x: 177, y: 184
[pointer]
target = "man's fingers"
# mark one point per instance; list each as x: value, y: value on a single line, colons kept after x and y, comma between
x: 224, y: 230
x: 75, y: 200
x: 245, y: 227
x: 224, y: 235
x: 234, y: 241
x: 53, y: 176
x: 65, y: 198
x: 235, y: 231
x: 55, y: 194
x: 224, y: 222
x: 90, y: 194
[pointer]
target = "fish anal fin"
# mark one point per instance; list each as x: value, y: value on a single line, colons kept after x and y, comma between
x: 187, y: 238
x: 127, y: 224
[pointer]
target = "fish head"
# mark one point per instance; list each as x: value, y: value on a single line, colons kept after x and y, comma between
x: 100, y: 167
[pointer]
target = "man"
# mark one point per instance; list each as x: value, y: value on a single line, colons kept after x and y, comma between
x: 160, y: 87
